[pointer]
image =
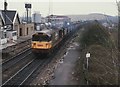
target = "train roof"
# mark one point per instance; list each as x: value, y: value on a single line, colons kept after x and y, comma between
x: 46, y: 31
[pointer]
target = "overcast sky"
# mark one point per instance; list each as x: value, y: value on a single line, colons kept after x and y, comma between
x: 64, y: 7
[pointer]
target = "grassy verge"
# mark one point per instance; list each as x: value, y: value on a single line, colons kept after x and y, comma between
x: 103, y: 63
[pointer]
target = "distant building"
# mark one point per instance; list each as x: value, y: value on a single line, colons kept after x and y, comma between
x: 57, y: 20
x: 43, y: 19
x: 24, y: 19
x: 38, y: 20
x: 26, y: 29
x: 36, y: 17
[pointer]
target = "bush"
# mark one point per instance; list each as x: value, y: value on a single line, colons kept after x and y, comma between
x: 103, y: 62
x: 95, y: 34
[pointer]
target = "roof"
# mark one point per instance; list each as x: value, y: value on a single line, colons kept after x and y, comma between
x: 46, y: 31
x: 1, y: 17
x: 9, y: 16
x: 57, y: 16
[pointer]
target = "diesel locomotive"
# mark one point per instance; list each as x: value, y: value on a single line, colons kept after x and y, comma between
x: 46, y: 40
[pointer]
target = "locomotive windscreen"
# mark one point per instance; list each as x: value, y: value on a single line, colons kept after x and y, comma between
x: 41, y: 37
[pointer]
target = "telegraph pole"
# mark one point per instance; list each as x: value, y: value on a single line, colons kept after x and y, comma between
x: 5, y: 9
x: 28, y: 6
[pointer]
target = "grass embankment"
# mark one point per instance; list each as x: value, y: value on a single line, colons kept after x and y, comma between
x: 103, y: 62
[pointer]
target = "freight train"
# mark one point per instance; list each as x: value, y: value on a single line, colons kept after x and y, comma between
x: 45, y: 41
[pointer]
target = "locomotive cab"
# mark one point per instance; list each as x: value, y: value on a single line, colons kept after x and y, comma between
x: 45, y: 41
x: 41, y: 42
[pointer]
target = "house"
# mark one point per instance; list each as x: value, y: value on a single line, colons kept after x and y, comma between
x: 10, y: 25
x: 11, y: 19
x: 3, y: 38
x: 26, y: 29
x: 1, y: 20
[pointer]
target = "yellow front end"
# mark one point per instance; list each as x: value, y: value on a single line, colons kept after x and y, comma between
x: 41, y: 45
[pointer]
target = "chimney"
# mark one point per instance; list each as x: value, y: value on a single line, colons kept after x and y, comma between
x: 5, y: 9
x: 5, y: 5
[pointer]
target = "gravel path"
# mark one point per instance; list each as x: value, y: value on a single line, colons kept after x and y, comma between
x: 63, y: 74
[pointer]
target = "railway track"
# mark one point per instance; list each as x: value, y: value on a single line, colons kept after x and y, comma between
x: 12, y: 65
x: 10, y: 69
x: 24, y: 75
x: 6, y: 65
x: 21, y: 73
x: 36, y: 71
x: 39, y: 71
x: 11, y: 79
x: 16, y: 57
x: 26, y: 72
x: 34, y: 75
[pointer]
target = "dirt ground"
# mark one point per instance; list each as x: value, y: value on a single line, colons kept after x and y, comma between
x: 63, y: 74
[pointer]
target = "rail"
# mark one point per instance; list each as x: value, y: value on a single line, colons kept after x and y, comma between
x: 15, y: 49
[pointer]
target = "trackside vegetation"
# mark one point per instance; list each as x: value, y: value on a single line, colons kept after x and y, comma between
x: 103, y: 62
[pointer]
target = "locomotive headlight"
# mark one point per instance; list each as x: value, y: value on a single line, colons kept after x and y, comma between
x: 47, y: 45
x: 34, y: 43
